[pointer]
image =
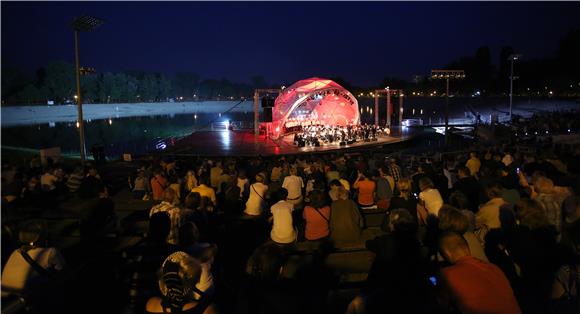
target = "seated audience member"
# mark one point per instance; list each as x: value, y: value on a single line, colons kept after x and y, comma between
x: 473, y: 286
x: 101, y: 218
x: 158, y: 185
x: 179, y: 275
x: 202, y: 252
x: 141, y: 185
x: 257, y: 199
x: 317, y: 217
x: 283, y: 231
x: 430, y: 197
x: 167, y: 205
x: 22, y: 273
x: 229, y: 197
x: 453, y: 220
x: 205, y: 190
x: 550, y: 201
x: 384, y: 191
x: 346, y: 221
x: 74, y: 180
x: 469, y: 186
x: 294, y: 185
x: 91, y: 184
x: 366, y: 190
x: 488, y: 215
x: 405, y: 200
x: 334, y: 186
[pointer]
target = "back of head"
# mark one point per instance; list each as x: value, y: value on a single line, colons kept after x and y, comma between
x: 317, y: 199
x: 159, y: 227
x: 32, y: 233
x: 544, y: 185
x: 425, y: 183
x: 204, y: 179
x: 453, y: 246
x: 192, y: 200
x: 458, y: 200
x: 451, y: 219
x: 530, y: 214
x: 169, y: 195
x: 402, y: 222
x: 494, y: 190
x: 179, y: 275
x: 188, y: 234
x: 282, y: 194
x: 265, y: 263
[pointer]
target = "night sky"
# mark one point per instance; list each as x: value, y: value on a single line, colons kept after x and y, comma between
x: 284, y: 42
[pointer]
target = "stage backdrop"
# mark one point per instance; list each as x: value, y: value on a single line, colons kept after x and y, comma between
x: 314, y: 100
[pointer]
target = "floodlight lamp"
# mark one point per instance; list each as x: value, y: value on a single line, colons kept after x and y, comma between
x: 86, y: 23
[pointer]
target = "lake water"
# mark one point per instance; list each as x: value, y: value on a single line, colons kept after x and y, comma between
x: 142, y: 134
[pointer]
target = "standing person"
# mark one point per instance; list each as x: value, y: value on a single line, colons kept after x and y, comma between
x: 472, y: 285
x: 257, y: 199
x: 394, y: 170
x: 283, y: 231
x: 294, y: 185
x: 346, y: 222
x: 158, y: 185
x: 366, y: 190
x: 317, y: 216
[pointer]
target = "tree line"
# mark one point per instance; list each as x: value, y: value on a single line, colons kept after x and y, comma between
x: 559, y: 74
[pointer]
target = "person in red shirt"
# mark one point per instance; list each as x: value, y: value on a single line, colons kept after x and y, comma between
x: 158, y: 185
x: 366, y: 190
x: 317, y: 216
x: 472, y: 285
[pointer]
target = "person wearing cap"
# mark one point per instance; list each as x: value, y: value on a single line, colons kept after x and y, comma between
x: 257, y: 199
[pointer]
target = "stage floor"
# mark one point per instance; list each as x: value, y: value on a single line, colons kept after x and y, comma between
x: 244, y: 143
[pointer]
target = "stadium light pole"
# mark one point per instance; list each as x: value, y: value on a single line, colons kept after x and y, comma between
x: 82, y: 24
x: 512, y: 58
x: 447, y: 75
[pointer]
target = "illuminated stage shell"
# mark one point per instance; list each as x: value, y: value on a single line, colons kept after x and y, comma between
x: 313, y: 101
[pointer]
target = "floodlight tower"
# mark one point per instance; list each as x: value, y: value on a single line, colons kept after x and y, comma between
x: 512, y: 58
x: 82, y: 24
x: 447, y: 75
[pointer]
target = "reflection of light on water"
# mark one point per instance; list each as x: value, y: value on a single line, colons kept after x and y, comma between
x: 226, y: 139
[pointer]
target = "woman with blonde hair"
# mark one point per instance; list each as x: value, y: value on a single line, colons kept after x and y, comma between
x: 405, y: 200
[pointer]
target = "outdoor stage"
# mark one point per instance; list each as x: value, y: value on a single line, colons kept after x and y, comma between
x: 244, y: 143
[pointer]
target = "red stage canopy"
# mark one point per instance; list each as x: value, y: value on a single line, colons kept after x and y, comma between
x: 313, y: 101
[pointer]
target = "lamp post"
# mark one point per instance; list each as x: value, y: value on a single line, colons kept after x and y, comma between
x: 82, y: 24
x: 512, y: 58
x: 447, y: 75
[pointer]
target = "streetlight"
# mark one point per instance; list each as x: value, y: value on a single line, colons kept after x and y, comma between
x: 512, y: 58
x: 82, y: 24
x: 447, y: 75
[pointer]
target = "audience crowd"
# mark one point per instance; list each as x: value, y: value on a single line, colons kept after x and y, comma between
x: 491, y: 230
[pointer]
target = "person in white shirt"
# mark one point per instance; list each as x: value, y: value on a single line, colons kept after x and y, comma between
x: 18, y: 273
x: 243, y: 183
x: 257, y: 199
x: 283, y: 231
x: 294, y: 184
x: 430, y: 196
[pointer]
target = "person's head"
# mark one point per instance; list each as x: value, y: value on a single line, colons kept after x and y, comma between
x: 266, y: 263
x: 453, y: 247
x: 376, y: 174
x: 342, y: 193
x: 473, y: 155
x: 260, y: 177
x: 188, y: 234
x: 159, y: 227
x: 179, y: 275
x: 452, y: 219
x: 530, y: 214
x: 404, y: 186
x: 169, y: 196
x: 93, y: 171
x: 335, y: 184
x: 190, y: 174
x: 317, y: 199
x: 402, y: 222
x: 204, y: 179
x: 192, y: 200
x: 242, y: 174
x: 493, y: 190
x: 293, y: 171
x: 425, y: 183
x: 458, y: 200
x: 32, y: 234
x: 282, y: 194
x: 463, y: 172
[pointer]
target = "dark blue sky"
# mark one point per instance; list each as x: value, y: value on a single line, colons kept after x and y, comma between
x: 284, y: 42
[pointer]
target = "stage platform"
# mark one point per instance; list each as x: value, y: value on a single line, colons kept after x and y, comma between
x: 244, y: 143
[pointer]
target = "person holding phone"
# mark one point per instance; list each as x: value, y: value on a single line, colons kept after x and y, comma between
x: 366, y: 190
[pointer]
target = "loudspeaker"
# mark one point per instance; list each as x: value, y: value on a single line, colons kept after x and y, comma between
x: 267, y: 102
x: 268, y: 114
